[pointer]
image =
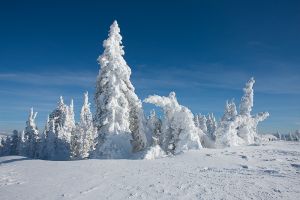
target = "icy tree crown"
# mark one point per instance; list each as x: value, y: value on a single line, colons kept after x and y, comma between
x: 31, y: 119
x: 85, y: 115
x: 230, y: 111
x: 247, y: 99
x: 112, y: 45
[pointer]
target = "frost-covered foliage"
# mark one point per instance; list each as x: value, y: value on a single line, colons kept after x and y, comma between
x: 119, y: 116
x: 247, y: 100
x: 30, y: 137
x: 43, y: 140
x: 60, y: 126
x: 179, y: 132
x: 196, y: 120
x: 291, y: 136
x: 211, y: 125
x: 226, y: 133
x: 247, y: 129
x: 202, y: 120
x: 155, y: 137
x: 296, y: 136
x: 154, y: 129
x: 230, y: 111
x: 84, y: 133
x: 14, y: 143
x: 240, y: 128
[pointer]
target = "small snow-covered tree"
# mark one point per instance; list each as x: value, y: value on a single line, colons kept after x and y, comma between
x: 196, y: 120
x: 230, y: 111
x: 43, y: 140
x: 31, y: 137
x: 9, y: 145
x: 85, y: 132
x: 5, y: 146
x: 202, y: 120
x: 154, y: 126
x: 211, y: 125
x: 178, y: 128
x: 226, y: 133
x: 297, y: 135
x: 50, y: 141
x: 119, y: 116
x: 58, y: 138
x: 14, y: 143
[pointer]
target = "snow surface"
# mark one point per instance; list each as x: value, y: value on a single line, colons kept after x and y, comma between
x: 269, y: 171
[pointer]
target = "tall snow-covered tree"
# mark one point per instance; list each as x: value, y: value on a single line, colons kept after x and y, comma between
x: 31, y: 137
x: 85, y: 132
x: 119, y: 116
x: 178, y: 128
x: 248, y: 125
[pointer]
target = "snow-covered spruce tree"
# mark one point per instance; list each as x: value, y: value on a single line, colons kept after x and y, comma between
x: 154, y: 126
x: 9, y: 144
x: 49, y: 152
x: 297, y: 135
x: 211, y: 125
x: 196, y: 120
x: 31, y: 137
x: 226, y: 133
x: 178, y: 128
x: 61, y: 124
x: 85, y: 132
x: 43, y: 140
x: 230, y: 111
x: 119, y: 116
x: 202, y: 120
x: 2, y: 144
x: 247, y: 128
x: 5, y: 146
x: 14, y: 143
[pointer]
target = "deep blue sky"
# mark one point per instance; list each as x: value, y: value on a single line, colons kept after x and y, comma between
x: 205, y: 51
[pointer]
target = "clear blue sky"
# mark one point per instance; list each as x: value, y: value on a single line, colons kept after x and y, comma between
x: 203, y: 50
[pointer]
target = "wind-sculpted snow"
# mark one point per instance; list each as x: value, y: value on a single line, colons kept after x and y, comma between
x: 239, y: 128
x: 269, y: 171
x: 178, y: 127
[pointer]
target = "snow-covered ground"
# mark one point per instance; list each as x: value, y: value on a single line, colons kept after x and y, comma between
x: 269, y: 171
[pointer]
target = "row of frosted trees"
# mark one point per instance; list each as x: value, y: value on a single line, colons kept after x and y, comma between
x: 119, y: 128
x: 61, y: 139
